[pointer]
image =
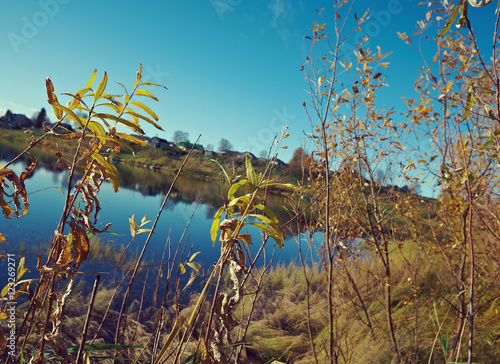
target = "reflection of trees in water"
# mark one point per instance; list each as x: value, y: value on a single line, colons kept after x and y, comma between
x: 152, y: 183
x: 169, y: 205
x: 210, y: 213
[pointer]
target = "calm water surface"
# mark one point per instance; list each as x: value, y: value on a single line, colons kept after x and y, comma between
x: 46, y: 202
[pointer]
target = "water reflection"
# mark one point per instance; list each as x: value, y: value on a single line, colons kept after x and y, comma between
x: 141, y: 193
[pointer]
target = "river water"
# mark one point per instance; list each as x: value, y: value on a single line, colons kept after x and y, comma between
x: 31, y: 234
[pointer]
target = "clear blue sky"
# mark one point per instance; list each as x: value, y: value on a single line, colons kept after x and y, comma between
x: 232, y: 67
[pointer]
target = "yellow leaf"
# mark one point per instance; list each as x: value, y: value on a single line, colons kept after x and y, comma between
x: 183, y: 269
x: 132, y: 139
x: 112, y: 173
x: 101, y: 87
x: 4, y: 291
x: 115, y: 108
x: 194, y: 256
x: 146, y: 109
x: 137, y: 116
x: 72, y: 115
x: 146, y: 93
x: 138, y: 78
x: 80, y: 243
x: 215, y: 224
x: 134, y: 126
x: 3, y: 315
x: 246, y: 238
x: 20, y: 269
x: 194, y: 266
x: 91, y: 80
x: 133, y: 227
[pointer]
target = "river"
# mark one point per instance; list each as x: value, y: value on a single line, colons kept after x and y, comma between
x: 31, y: 234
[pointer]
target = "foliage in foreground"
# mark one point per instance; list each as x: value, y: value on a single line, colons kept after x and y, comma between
x: 387, y: 281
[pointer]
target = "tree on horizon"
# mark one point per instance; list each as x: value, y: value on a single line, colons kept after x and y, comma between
x: 225, y: 144
x: 180, y: 136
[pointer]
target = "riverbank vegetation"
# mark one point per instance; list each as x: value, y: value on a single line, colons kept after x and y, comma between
x: 382, y: 274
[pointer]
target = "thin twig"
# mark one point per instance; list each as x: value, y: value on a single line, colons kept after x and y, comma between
x: 87, y: 319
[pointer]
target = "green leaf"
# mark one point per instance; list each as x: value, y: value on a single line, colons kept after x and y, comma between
x: 101, y: 87
x: 215, y: 224
x: 223, y: 170
x: 97, y: 347
x: 450, y: 20
x: 469, y: 103
x: 234, y: 188
x: 263, y: 218
x: 268, y: 212
x: 189, y: 359
x: 234, y: 201
x: 272, y: 232
x: 487, y: 144
x: 250, y: 171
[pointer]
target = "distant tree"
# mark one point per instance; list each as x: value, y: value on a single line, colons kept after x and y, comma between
x: 225, y: 144
x: 210, y: 147
x: 380, y: 177
x: 263, y: 154
x: 40, y: 119
x: 8, y: 115
x: 299, y: 162
x: 180, y: 136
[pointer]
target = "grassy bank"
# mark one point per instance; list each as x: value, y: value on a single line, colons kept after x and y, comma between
x: 289, y: 314
x: 166, y: 160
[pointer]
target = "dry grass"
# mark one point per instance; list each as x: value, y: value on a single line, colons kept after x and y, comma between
x: 421, y: 283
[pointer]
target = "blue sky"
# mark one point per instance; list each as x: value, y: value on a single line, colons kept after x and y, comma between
x: 232, y: 67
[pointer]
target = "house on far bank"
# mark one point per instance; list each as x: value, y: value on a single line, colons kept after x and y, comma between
x: 236, y: 155
x: 158, y: 142
x: 15, y: 121
x: 209, y: 152
x: 277, y: 162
